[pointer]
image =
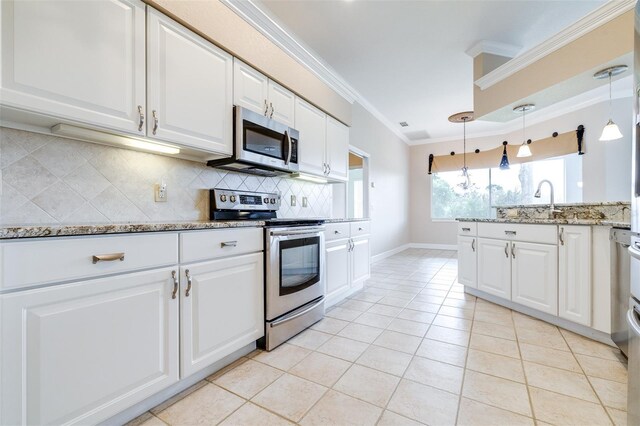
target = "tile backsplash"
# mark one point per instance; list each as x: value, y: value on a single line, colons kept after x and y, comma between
x: 46, y: 179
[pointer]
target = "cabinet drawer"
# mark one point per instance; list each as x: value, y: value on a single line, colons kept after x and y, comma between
x: 51, y: 260
x: 360, y: 228
x: 335, y: 231
x: 544, y: 234
x: 467, y: 228
x: 211, y: 244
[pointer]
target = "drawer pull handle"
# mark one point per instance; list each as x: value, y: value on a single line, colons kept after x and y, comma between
x: 561, y: 236
x: 513, y: 250
x: 228, y: 244
x: 108, y: 257
x: 506, y: 250
x: 337, y: 232
x: 510, y: 232
x: 175, y: 284
x: 466, y: 229
x: 473, y: 244
x: 359, y: 229
x: 189, y: 283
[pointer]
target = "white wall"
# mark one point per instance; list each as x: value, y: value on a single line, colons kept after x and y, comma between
x: 389, y: 172
x: 606, y: 166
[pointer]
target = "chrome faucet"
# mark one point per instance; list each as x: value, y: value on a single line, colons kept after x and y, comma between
x: 552, y: 207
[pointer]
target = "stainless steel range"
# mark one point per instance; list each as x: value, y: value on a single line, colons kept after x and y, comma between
x: 294, y: 262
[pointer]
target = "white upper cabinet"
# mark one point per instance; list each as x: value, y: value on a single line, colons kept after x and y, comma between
x: 255, y: 91
x: 574, y: 273
x: 190, y: 87
x: 337, y: 150
x: 77, y: 60
x: 535, y: 276
x: 311, y: 123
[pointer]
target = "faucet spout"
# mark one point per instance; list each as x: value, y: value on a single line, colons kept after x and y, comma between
x: 552, y: 207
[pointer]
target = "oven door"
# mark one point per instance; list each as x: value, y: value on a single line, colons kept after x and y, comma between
x: 263, y: 141
x: 295, y: 268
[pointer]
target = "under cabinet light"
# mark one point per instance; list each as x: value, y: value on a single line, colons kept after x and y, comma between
x: 309, y: 178
x: 111, y: 139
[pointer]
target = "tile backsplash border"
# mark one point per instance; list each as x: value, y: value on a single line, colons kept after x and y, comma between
x: 46, y: 179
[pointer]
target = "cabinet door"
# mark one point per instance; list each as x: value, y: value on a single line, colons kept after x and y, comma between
x: 81, y: 61
x: 311, y: 123
x: 337, y: 271
x: 282, y: 102
x: 467, y: 261
x: 250, y: 88
x: 80, y: 353
x: 574, y: 273
x: 190, y: 87
x: 337, y: 155
x: 535, y: 276
x: 494, y: 267
x: 224, y: 310
x: 361, y: 260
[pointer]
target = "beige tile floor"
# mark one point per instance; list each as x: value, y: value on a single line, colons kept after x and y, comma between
x: 413, y: 348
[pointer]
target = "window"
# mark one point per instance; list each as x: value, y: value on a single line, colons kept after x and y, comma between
x: 495, y: 187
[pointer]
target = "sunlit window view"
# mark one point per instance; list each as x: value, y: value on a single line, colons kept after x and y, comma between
x: 356, y: 187
x: 494, y: 187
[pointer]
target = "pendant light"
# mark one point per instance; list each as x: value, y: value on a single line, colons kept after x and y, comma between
x: 611, y: 131
x: 524, y: 150
x: 504, y: 163
x: 463, y: 117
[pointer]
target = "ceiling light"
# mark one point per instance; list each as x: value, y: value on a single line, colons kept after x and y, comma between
x: 504, y: 163
x: 611, y: 131
x: 90, y: 135
x: 524, y: 150
x: 404, y: 124
x: 463, y: 117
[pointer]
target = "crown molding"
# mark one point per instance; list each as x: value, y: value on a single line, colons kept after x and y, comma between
x: 593, y: 20
x: 585, y: 100
x: 257, y: 17
x: 494, y: 48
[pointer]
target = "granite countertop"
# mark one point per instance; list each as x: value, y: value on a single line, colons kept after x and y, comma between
x: 26, y: 231
x: 539, y: 221
x: 624, y: 225
x: 593, y: 203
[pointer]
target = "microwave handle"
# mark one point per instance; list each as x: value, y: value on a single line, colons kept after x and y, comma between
x: 288, y: 156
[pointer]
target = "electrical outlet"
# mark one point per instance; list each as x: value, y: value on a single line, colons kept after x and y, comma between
x: 305, y: 202
x: 373, y: 184
x: 160, y: 192
x: 293, y: 201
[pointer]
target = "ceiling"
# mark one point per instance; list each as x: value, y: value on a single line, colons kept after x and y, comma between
x: 407, y: 58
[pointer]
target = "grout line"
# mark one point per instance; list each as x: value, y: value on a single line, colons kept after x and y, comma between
x: 524, y: 372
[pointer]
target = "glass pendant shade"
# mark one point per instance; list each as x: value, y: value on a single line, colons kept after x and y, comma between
x: 524, y: 151
x: 466, y: 179
x: 504, y: 163
x: 611, y: 132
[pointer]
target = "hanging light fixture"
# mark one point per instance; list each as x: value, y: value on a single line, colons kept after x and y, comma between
x: 504, y: 163
x: 524, y: 150
x: 611, y: 131
x: 463, y: 117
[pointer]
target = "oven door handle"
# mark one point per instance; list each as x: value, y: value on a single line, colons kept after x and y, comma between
x: 287, y: 156
x: 633, y: 318
x: 310, y: 231
x: 298, y: 314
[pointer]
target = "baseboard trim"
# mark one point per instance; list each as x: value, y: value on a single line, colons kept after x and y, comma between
x: 389, y: 253
x: 404, y: 247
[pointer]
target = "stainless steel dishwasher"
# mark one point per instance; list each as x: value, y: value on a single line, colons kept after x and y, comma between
x: 620, y: 287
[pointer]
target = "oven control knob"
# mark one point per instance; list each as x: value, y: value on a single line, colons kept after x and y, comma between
x: 223, y: 198
x: 273, y: 201
x: 232, y: 198
x: 266, y: 201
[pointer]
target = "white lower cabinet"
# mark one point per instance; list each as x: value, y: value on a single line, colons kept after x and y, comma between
x: 494, y: 267
x: 337, y: 269
x: 534, y: 276
x: 467, y: 261
x: 574, y: 274
x: 80, y: 353
x: 360, y: 256
x: 222, y: 309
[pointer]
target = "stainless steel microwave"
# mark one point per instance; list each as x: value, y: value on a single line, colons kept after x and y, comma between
x: 262, y: 146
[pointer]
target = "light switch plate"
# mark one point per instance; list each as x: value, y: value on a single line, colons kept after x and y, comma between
x: 293, y: 201
x: 305, y: 202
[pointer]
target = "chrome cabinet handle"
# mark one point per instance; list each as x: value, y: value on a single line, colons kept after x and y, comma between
x: 189, y: 283
x: 175, y: 284
x: 272, y: 110
x: 141, y: 115
x: 466, y: 229
x: 561, y: 236
x: 510, y: 232
x: 513, y: 250
x: 359, y: 228
x: 108, y: 257
x: 473, y: 244
x: 328, y: 169
x: 155, y: 121
x: 352, y: 244
x: 266, y: 108
x: 506, y: 250
x: 337, y: 232
x: 228, y: 244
